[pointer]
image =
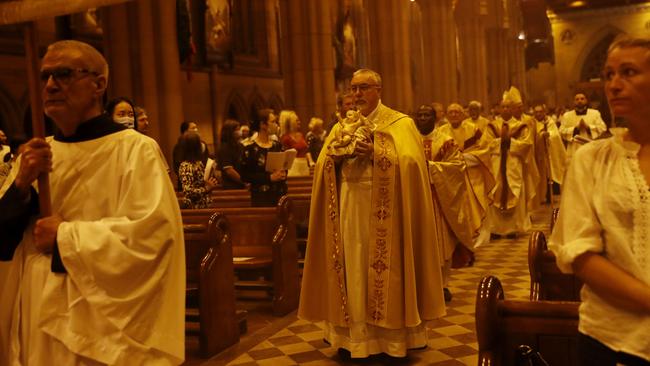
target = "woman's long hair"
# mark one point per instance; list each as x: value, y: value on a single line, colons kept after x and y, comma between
x: 228, y: 132
x: 190, y: 146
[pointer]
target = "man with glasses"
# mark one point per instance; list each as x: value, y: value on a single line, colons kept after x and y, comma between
x: 372, y: 270
x: 101, y: 280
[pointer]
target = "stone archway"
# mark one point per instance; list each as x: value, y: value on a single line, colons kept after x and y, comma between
x: 236, y: 107
x: 593, y: 60
x: 256, y: 102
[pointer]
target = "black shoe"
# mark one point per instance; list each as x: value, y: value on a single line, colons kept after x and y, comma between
x: 447, y: 294
x: 344, y: 354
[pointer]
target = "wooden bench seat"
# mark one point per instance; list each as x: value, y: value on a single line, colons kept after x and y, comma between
x: 210, y: 291
x: 547, y: 282
x: 265, y: 251
x: 549, y: 327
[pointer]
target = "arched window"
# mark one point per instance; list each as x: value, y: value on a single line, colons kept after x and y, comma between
x: 593, y: 66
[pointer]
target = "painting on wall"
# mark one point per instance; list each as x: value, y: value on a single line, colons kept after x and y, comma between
x: 218, y: 33
x: 86, y: 24
x: 345, y: 41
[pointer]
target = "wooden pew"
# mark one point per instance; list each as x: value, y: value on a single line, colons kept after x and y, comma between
x: 546, y: 280
x: 266, y: 235
x: 549, y: 327
x: 210, y: 276
x: 301, y: 205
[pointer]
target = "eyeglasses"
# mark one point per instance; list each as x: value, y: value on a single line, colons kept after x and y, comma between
x: 63, y: 75
x: 362, y: 87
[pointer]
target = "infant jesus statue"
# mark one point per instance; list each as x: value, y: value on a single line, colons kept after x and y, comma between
x: 354, y: 127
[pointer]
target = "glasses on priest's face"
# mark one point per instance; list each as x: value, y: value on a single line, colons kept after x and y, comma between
x: 362, y: 87
x: 65, y: 75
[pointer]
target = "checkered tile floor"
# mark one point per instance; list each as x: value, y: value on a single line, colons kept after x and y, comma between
x: 452, y: 339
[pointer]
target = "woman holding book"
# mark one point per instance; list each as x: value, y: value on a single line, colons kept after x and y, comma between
x: 292, y: 138
x: 196, y: 189
x: 266, y: 187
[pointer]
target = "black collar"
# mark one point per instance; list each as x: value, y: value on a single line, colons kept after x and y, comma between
x: 581, y: 112
x: 94, y: 128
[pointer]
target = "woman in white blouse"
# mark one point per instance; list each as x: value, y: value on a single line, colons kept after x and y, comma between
x: 603, y: 231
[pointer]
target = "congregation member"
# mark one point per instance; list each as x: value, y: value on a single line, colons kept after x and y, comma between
x: 266, y: 187
x: 191, y: 127
x: 509, y: 144
x: 244, y: 134
x: 122, y: 110
x: 581, y: 125
x: 101, y: 279
x: 550, y: 153
x: 229, y: 156
x: 141, y: 121
x: 372, y: 268
x: 601, y: 234
x: 456, y: 220
x: 195, y: 185
x: 292, y: 138
x: 315, y: 138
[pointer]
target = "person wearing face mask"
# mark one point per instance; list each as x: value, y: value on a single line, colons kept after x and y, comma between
x: 266, y: 187
x: 122, y: 111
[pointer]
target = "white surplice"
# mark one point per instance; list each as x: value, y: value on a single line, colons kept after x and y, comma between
x: 122, y: 300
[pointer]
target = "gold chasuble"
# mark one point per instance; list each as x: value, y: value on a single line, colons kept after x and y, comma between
x: 458, y: 213
x: 372, y: 269
x: 511, y: 194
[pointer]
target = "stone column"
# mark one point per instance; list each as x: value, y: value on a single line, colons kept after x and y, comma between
x: 140, y: 46
x: 497, y: 51
x: 308, y: 58
x: 472, y: 43
x: 390, y: 51
x: 439, y: 38
x: 516, y: 49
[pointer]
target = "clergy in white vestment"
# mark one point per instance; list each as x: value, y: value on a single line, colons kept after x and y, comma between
x: 581, y: 125
x: 509, y: 144
x: 372, y: 269
x: 101, y: 280
x: 550, y: 153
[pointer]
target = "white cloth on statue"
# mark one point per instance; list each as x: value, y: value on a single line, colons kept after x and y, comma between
x: 571, y: 121
x: 605, y: 209
x: 122, y: 299
x: 363, y: 339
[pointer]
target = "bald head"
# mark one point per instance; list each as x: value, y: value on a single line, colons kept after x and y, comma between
x: 455, y: 114
x: 75, y: 77
x: 89, y: 56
